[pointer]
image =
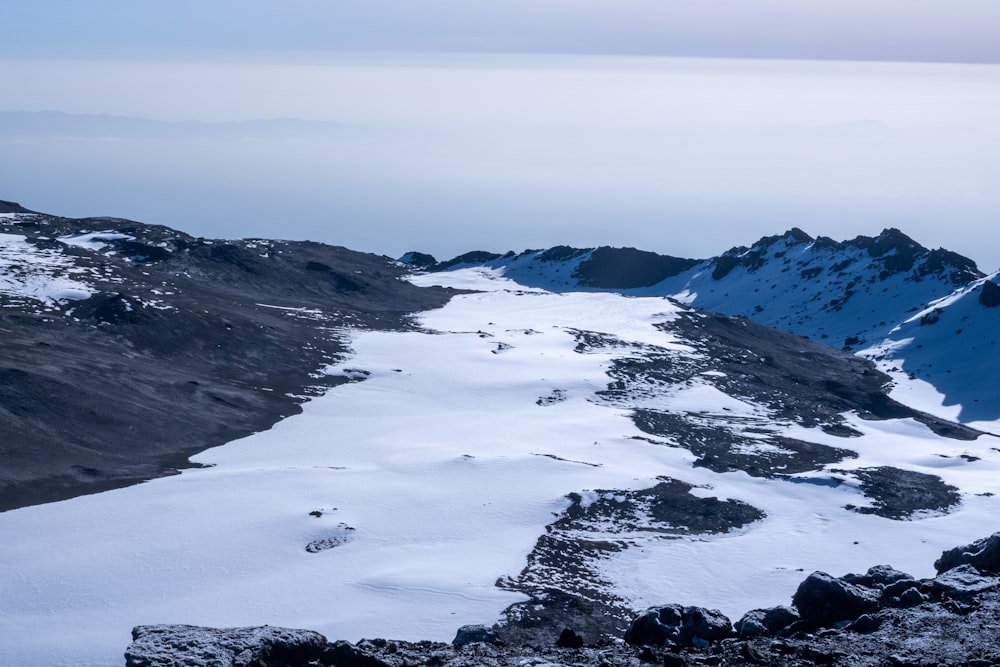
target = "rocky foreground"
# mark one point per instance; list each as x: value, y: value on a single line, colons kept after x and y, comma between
x: 881, y: 617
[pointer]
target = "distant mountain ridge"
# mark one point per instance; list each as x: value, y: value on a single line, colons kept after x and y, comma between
x: 853, y: 294
x: 810, y: 286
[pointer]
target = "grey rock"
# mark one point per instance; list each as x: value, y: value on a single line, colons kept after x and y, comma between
x: 191, y: 646
x: 682, y: 626
x: 989, y: 296
x: 879, y: 576
x: 963, y: 582
x: 345, y: 654
x: 911, y: 598
x: 569, y: 639
x: 823, y: 600
x: 865, y: 623
x: 982, y: 554
x: 761, y: 622
x: 898, y: 588
x: 655, y: 627
x: 474, y: 634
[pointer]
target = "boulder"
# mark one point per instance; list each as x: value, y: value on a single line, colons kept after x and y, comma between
x: 192, y: 646
x: 823, y: 600
x: 702, y: 626
x: 983, y: 554
x: 865, y: 624
x: 475, y: 634
x: 989, y: 296
x: 760, y: 622
x: 657, y: 626
x: 569, y: 639
x: 677, y: 625
x: 879, y: 576
x: 963, y: 582
x: 897, y: 588
x: 345, y: 654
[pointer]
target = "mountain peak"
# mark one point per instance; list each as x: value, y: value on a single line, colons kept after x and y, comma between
x: 892, y: 239
x: 798, y: 235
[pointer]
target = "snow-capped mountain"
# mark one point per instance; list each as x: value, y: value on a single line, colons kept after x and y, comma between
x: 869, y: 295
x: 509, y: 454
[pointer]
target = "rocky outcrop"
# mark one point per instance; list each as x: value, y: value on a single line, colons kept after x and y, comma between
x: 982, y: 554
x: 475, y: 634
x: 191, y: 646
x: 823, y: 600
x: 758, y: 622
x: 989, y: 295
x: 679, y: 626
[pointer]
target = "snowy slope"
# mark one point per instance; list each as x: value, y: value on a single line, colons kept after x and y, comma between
x: 944, y: 357
x: 395, y: 502
x: 816, y: 287
x: 867, y: 293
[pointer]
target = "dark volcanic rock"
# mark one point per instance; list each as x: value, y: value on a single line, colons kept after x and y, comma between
x: 677, y: 625
x: 345, y: 654
x: 822, y: 600
x: 898, y: 494
x: 796, y: 380
x: 190, y: 646
x: 963, y: 582
x: 420, y: 260
x: 474, y: 634
x: 474, y: 257
x: 763, y: 622
x: 569, y: 639
x: 982, y: 554
x: 878, y: 576
x: 989, y: 295
x: 185, y: 344
x: 563, y: 575
x: 802, y: 380
x: 626, y: 268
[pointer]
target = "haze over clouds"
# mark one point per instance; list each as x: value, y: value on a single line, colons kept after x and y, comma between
x: 447, y: 126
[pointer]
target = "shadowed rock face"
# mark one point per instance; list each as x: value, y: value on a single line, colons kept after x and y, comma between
x: 185, y: 344
x: 982, y: 554
x: 190, y: 646
x: 989, y: 295
x: 626, y: 268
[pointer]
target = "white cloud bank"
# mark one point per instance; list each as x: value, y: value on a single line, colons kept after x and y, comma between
x: 450, y: 153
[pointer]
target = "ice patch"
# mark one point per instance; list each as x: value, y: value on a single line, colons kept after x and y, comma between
x: 38, y: 274
x: 93, y: 240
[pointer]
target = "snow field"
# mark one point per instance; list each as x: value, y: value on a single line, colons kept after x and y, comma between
x: 29, y: 272
x: 440, y: 463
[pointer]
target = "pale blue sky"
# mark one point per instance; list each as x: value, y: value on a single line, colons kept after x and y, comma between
x: 451, y: 125
x: 925, y: 30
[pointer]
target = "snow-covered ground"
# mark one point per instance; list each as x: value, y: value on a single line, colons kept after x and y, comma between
x: 956, y: 341
x: 433, y: 477
x: 28, y: 272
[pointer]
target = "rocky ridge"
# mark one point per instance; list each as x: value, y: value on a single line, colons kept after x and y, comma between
x: 914, y: 310
x: 129, y: 347
x: 880, y: 617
